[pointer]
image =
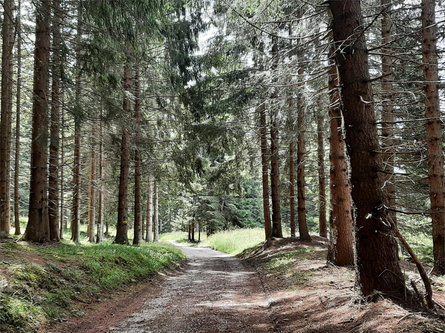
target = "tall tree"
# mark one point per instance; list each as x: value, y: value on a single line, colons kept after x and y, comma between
x: 434, y: 132
x: 291, y: 111
x: 17, y: 119
x: 100, y: 200
x: 6, y: 116
x: 377, y: 260
x: 321, y: 174
x: 149, y: 229
x: 91, y: 188
x: 38, y: 225
x: 53, y: 182
x: 155, y: 212
x: 341, y: 245
x: 122, y: 209
x: 137, y: 162
x: 265, y: 170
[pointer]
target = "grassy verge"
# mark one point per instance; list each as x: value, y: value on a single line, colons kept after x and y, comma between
x: 235, y: 241
x: 48, y: 282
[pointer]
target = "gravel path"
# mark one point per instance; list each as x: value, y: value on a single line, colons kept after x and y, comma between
x: 215, y: 293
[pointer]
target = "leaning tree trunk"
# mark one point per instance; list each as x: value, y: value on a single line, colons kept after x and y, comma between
x: 17, y: 121
x: 6, y: 117
x: 377, y: 261
x: 321, y: 174
x: 434, y: 133
x: 122, y: 209
x: 53, y: 181
x: 156, y: 212
x: 341, y: 223
x: 37, y: 229
x: 387, y: 108
x: 149, y: 228
x: 137, y: 163
x: 265, y: 170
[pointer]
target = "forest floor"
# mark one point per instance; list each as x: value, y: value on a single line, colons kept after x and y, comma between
x: 282, y: 286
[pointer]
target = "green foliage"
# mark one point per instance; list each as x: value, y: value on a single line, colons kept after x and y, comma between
x: 235, y: 241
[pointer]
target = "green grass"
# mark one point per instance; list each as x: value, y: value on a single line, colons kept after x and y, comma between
x: 235, y: 241
x: 46, y: 282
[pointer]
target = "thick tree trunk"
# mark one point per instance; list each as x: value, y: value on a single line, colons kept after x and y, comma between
x: 434, y: 133
x: 387, y: 108
x: 156, y: 212
x: 321, y: 175
x: 122, y: 209
x: 6, y: 116
x: 137, y: 163
x: 17, y: 121
x: 53, y: 191
x: 37, y: 229
x: 149, y: 229
x: 265, y: 170
x: 341, y: 223
x: 92, y: 190
x: 377, y: 261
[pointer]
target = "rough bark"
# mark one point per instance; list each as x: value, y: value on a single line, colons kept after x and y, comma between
x: 6, y: 116
x: 387, y: 107
x: 155, y: 212
x: 62, y: 223
x: 274, y: 158
x: 100, y: 200
x: 149, y: 229
x: 433, y: 133
x: 290, y: 102
x: 37, y: 229
x: 341, y: 223
x: 53, y: 181
x: 122, y: 209
x: 377, y: 261
x: 137, y: 163
x: 321, y: 175
x: 265, y: 170
x: 17, y: 121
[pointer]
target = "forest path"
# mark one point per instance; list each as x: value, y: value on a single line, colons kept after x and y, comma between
x: 215, y: 293
x: 212, y: 293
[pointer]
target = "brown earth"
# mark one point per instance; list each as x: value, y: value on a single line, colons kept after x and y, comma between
x: 283, y: 286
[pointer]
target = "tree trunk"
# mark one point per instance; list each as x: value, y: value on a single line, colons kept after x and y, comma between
x: 433, y: 133
x: 17, y: 121
x: 100, y: 213
x: 62, y: 176
x: 265, y: 170
x: 275, y: 158
x: 91, y: 189
x: 341, y: 251
x: 122, y: 210
x: 37, y: 229
x: 75, y: 222
x: 149, y: 229
x: 53, y: 191
x: 155, y: 212
x: 137, y: 163
x: 387, y: 108
x: 321, y: 174
x: 290, y: 102
x: 6, y: 116
x: 377, y: 261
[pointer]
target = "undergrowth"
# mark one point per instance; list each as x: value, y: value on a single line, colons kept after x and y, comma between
x: 47, y: 282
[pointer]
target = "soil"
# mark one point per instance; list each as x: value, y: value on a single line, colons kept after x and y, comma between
x: 215, y: 292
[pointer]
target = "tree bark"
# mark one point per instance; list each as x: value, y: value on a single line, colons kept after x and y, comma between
x: 100, y: 213
x: 137, y: 163
x: 265, y: 170
x: 377, y: 262
x: 155, y: 212
x: 17, y: 121
x: 37, y: 229
x: 53, y: 191
x: 149, y: 229
x: 6, y: 116
x: 290, y: 102
x: 387, y: 107
x: 275, y: 159
x: 321, y: 175
x: 122, y: 210
x: 341, y: 223
x: 434, y: 133
x: 91, y: 189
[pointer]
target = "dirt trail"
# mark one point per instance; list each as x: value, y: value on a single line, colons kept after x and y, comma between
x: 214, y: 293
